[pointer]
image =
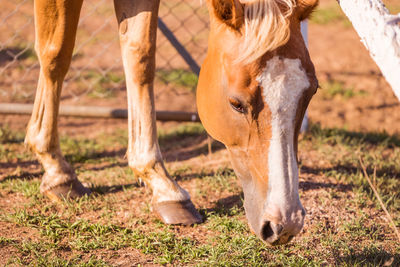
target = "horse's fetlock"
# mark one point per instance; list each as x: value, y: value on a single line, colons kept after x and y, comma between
x: 140, y: 171
x: 37, y: 144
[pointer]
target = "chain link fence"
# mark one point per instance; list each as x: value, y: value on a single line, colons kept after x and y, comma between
x: 96, y: 74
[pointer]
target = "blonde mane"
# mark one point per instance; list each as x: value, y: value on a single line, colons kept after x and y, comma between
x: 266, y: 27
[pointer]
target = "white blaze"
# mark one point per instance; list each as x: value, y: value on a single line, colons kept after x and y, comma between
x: 283, y: 81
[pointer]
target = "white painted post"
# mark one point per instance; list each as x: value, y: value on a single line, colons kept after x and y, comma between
x: 304, y: 32
x: 380, y: 33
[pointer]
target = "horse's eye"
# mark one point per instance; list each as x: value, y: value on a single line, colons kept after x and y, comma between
x: 237, y: 105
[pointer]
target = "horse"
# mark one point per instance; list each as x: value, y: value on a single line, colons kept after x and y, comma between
x: 254, y: 87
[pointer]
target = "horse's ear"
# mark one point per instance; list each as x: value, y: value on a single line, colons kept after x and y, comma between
x: 304, y: 8
x: 229, y: 12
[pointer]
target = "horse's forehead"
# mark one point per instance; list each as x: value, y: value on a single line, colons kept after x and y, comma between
x: 283, y: 81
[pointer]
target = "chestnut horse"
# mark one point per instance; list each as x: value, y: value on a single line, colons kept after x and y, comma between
x: 254, y: 87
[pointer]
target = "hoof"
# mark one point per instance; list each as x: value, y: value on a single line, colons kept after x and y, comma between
x: 182, y: 212
x: 70, y: 190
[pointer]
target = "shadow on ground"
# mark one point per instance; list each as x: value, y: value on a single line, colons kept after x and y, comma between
x: 370, y: 257
x: 103, y: 190
x: 350, y: 170
x: 224, y: 206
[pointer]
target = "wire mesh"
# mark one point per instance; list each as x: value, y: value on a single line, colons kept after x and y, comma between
x: 96, y: 73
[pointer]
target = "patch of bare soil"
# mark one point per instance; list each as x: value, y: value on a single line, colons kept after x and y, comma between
x: 338, y: 55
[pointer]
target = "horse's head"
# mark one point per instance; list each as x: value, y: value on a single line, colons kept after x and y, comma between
x: 254, y: 87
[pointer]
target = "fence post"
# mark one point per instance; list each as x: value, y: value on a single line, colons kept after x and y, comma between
x: 379, y: 31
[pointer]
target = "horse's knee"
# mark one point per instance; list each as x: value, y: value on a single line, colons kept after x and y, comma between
x: 141, y: 61
x: 54, y: 60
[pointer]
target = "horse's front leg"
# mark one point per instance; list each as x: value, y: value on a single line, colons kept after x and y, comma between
x: 55, y: 27
x: 137, y: 30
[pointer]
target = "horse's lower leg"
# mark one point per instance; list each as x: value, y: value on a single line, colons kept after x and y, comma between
x: 55, y: 27
x: 137, y: 29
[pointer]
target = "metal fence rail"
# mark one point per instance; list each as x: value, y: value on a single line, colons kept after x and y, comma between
x: 96, y: 73
x: 98, y: 112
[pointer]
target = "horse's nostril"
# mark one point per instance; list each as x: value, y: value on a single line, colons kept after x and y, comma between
x: 303, y: 212
x: 266, y: 231
x: 270, y: 230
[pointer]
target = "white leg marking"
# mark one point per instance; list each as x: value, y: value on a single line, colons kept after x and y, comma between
x: 283, y: 81
x: 167, y: 190
x: 138, y: 36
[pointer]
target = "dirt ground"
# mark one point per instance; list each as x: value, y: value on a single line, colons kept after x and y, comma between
x: 342, y: 64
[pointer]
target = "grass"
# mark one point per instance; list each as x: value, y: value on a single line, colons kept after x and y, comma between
x: 99, y: 85
x: 179, y: 132
x: 7, y: 135
x: 332, y: 89
x: 178, y: 77
x: 329, y: 14
x: 378, y: 150
x: 29, y: 189
x: 344, y: 227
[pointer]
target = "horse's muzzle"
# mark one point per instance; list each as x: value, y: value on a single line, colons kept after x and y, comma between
x: 277, y: 229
